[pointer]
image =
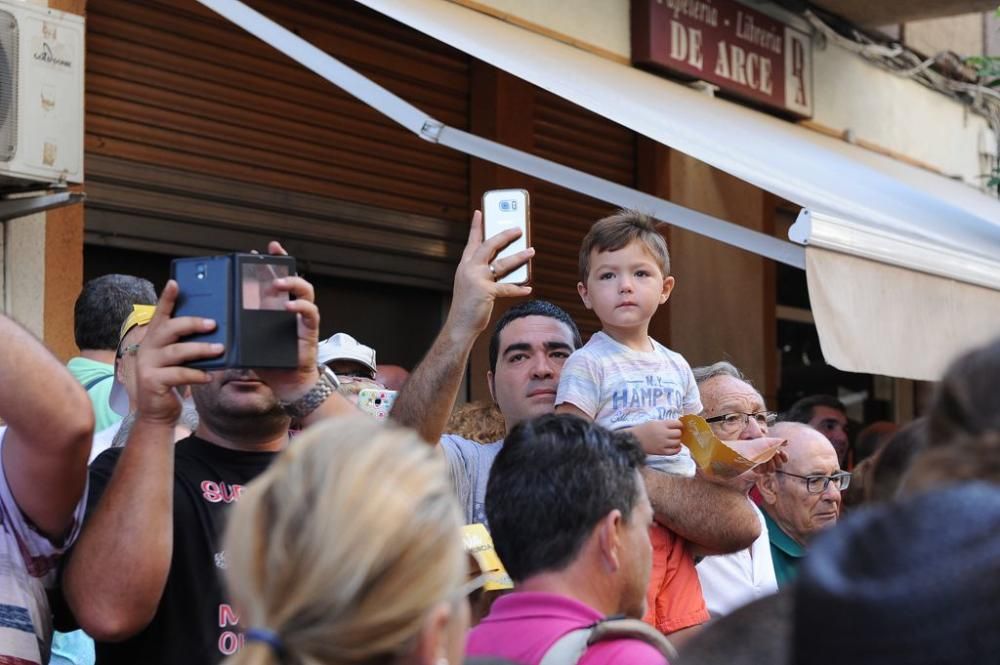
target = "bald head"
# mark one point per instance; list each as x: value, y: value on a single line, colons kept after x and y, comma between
x: 799, y: 513
x: 805, y: 446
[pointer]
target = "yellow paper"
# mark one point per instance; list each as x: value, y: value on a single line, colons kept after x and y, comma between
x: 721, y: 459
x: 479, y: 544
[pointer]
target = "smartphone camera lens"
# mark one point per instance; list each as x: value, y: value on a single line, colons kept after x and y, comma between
x: 200, y: 270
x: 505, y: 206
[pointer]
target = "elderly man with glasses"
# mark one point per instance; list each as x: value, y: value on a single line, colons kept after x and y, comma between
x: 803, y: 497
x: 735, y: 411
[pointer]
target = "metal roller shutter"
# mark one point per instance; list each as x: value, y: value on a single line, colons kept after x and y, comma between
x: 571, y: 135
x: 202, y: 139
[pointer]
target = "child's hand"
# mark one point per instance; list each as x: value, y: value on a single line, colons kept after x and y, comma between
x: 659, y: 437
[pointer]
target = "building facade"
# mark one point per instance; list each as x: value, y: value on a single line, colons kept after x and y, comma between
x: 201, y: 139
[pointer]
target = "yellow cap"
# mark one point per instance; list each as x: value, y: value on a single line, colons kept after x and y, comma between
x: 141, y: 315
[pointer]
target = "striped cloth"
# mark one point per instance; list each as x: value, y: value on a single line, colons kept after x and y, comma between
x: 28, y: 562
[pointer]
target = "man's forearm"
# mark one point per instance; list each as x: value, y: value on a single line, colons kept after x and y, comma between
x: 50, y: 428
x: 116, y: 574
x: 36, y: 388
x: 713, y: 518
x: 427, y: 399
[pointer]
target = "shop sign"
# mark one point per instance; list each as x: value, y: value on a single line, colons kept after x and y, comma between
x: 746, y: 53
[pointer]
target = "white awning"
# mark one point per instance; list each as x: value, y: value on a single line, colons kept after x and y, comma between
x: 930, y: 320
x: 431, y: 129
x: 927, y: 227
x: 859, y: 203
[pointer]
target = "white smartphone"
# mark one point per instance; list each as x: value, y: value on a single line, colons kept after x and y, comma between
x: 506, y: 209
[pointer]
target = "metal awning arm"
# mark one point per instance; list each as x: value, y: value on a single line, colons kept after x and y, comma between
x: 11, y: 208
x: 432, y: 130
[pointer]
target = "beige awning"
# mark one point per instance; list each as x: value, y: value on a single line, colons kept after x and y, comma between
x: 891, y: 247
x: 903, y: 265
x: 929, y: 320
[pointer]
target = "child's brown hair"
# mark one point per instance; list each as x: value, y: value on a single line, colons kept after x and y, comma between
x: 616, y: 231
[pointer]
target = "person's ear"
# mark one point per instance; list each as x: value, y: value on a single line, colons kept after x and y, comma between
x: 668, y: 287
x: 119, y: 372
x: 581, y: 288
x: 432, y: 641
x: 767, y: 486
x: 609, y: 539
x: 491, y: 385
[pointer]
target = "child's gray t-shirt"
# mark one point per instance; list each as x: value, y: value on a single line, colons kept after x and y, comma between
x: 619, y: 388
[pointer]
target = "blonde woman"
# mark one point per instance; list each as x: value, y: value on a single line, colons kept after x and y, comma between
x: 347, y: 551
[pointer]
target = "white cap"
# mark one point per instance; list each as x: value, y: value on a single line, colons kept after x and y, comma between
x: 344, y: 347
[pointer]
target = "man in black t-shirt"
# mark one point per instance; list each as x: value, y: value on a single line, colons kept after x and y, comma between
x: 144, y: 579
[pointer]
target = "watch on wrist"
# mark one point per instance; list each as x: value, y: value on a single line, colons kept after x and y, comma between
x: 319, y: 393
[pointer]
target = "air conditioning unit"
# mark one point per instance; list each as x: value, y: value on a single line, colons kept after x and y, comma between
x: 41, y: 96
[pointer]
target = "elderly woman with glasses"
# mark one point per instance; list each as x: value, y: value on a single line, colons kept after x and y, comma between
x: 803, y: 497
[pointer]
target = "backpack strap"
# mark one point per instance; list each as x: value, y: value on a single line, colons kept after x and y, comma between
x: 570, y: 648
x: 93, y: 382
x: 618, y: 628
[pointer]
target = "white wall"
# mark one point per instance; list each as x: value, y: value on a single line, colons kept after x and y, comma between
x: 23, y: 265
x: 991, y: 35
x: 896, y: 113
x: 601, y: 23
x: 962, y: 34
x: 850, y: 94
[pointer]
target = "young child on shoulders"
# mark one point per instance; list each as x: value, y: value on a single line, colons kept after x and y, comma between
x: 622, y: 378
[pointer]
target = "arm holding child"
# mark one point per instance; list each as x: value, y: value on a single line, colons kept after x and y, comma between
x: 714, y: 517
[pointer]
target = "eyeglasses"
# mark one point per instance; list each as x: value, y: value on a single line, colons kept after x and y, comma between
x: 738, y: 420
x: 131, y: 349
x: 818, y: 484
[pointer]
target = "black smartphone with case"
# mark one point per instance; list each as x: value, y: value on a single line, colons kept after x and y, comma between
x: 238, y: 292
x: 203, y: 288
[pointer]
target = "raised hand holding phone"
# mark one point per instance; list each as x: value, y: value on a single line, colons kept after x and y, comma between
x: 242, y: 293
x: 505, y: 209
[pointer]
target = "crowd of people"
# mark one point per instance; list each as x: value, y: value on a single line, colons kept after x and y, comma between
x: 157, y: 513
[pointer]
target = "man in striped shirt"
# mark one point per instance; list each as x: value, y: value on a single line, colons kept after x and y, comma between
x: 43, y: 479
